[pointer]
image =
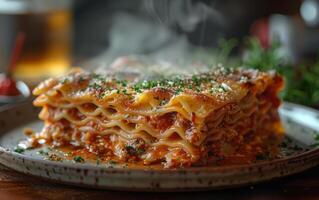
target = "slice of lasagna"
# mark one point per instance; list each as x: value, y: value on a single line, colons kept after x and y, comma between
x: 224, y: 116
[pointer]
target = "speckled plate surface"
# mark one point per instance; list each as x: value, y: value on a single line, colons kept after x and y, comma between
x: 300, y: 153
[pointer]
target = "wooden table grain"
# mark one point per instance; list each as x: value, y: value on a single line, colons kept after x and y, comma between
x: 18, y: 186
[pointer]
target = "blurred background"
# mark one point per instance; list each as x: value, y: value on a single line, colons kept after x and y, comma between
x: 42, y: 38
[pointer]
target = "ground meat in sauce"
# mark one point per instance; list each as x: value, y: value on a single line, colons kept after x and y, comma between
x: 162, y: 122
x: 190, y: 130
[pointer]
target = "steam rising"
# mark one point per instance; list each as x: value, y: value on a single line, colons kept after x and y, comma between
x: 153, y: 42
x: 183, y: 13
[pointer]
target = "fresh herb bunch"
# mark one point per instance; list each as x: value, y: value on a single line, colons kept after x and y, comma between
x: 302, y: 82
x: 263, y: 59
x: 303, y: 85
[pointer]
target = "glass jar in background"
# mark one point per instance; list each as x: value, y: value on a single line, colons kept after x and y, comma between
x: 46, y: 26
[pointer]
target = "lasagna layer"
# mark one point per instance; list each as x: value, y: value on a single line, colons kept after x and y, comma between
x: 224, y: 116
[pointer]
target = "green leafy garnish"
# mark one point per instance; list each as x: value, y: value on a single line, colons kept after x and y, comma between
x: 78, y: 159
x: 134, y: 150
x: 95, y: 86
x: 140, y: 151
x: 316, y: 138
x: 19, y: 150
x: 44, y: 153
x: 122, y: 82
x: 112, y: 162
x: 302, y: 82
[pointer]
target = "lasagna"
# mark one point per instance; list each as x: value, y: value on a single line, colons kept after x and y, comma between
x: 220, y: 117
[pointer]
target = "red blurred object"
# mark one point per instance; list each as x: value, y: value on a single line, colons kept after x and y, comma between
x: 16, y: 51
x: 8, y: 86
x: 260, y: 29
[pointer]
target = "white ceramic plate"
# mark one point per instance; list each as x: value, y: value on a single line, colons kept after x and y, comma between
x: 301, y: 123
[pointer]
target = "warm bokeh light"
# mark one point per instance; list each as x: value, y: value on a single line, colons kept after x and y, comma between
x: 46, y: 53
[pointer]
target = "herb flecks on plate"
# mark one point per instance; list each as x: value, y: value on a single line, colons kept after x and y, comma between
x: 289, y: 147
x: 19, y: 150
x: 43, y: 153
x: 316, y: 140
x: 78, y: 159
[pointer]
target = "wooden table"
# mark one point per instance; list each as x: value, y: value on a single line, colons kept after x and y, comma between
x: 17, y: 186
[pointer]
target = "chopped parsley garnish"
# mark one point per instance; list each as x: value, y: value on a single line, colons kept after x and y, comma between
x: 95, y: 86
x: 103, y: 85
x: 198, y: 82
x: 78, y: 159
x: 44, y: 153
x: 19, y: 150
x: 178, y: 91
x: 122, y: 82
x: 103, y: 94
x: 140, y: 151
x: 316, y: 138
x: 134, y: 151
x: 81, y: 80
x: 99, y: 77
x: 198, y: 89
x: 137, y: 88
x: 112, y: 162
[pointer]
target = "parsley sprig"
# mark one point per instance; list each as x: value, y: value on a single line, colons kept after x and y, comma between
x: 302, y: 82
x: 78, y: 159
